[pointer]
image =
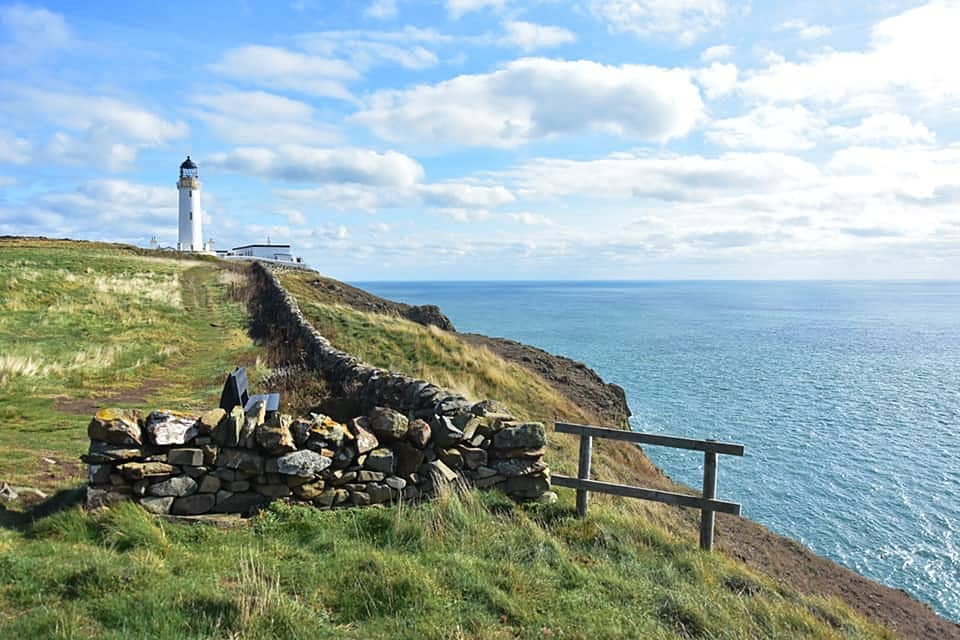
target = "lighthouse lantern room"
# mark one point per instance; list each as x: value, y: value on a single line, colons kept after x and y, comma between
x: 191, y: 225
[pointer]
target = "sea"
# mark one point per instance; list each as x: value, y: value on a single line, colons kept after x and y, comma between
x: 846, y: 396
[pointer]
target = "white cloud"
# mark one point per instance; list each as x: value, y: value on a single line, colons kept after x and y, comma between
x: 684, y: 19
x: 457, y: 8
x: 804, y: 30
x: 339, y: 197
x: 381, y: 9
x: 537, y: 98
x: 716, y: 52
x: 768, y: 127
x: 461, y: 214
x: 298, y: 163
x: 255, y: 117
x: 909, y: 60
x: 32, y: 33
x: 889, y: 128
x: 530, y: 37
x: 717, y: 80
x: 454, y: 194
x: 530, y: 219
x: 14, y: 150
x: 281, y: 68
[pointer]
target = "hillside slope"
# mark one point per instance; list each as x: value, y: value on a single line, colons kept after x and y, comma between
x: 467, y: 566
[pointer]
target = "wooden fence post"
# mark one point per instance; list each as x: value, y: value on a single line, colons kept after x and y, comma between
x: 709, y: 492
x: 583, y: 473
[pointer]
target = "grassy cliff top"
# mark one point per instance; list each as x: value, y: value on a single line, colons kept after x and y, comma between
x: 155, y: 331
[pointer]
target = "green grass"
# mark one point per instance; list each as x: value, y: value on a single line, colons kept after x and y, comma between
x: 85, y: 325
x: 470, y: 566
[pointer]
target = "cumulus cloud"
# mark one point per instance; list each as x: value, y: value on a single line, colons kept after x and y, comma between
x: 381, y: 9
x: 530, y: 37
x: 909, y: 59
x: 31, y: 33
x: 804, y: 30
x: 255, y: 117
x: 889, y: 128
x: 282, y: 68
x: 457, y: 194
x: 768, y: 127
x: 716, y: 52
x: 457, y: 8
x: 718, y: 79
x: 530, y: 219
x: 299, y: 163
x: 14, y: 150
x: 685, y: 20
x: 537, y: 98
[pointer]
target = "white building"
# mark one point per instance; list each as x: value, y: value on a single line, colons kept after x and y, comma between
x: 190, y: 237
x: 268, y: 251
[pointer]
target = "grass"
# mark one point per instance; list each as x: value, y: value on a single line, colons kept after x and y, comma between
x: 467, y: 566
x: 86, y: 324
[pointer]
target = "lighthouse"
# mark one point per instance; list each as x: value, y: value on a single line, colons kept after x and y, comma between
x: 191, y: 226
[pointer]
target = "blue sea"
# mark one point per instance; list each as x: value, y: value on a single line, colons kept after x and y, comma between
x: 846, y: 395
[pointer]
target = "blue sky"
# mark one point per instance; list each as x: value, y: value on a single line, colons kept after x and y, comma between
x: 491, y: 139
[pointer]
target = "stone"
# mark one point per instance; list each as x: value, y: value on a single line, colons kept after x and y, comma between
x: 346, y: 477
x: 363, y: 439
x: 519, y: 467
x: 193, y: 505
x: 328, y: 430
x: 488, y: 481
x: 452, y: 405
x: 410, y: 492
x: 473, y: 457
x: 304, y: 463
x: 223, y: 495
x: 486, y: 472
x: 521, y: 453
x: 118, y: 480
x: 408, y: 458
x: 381, y: 460
x: 379, y: 493
x: 548, y: 497
x: 253, y: 418
x: 479, y: 441
x: 194, y: 472
x: 309, y: 491
x: 440, y: 472
x: 388, y: 424
x: 167, y: 427
x: 370, y: 476
x: 485, y: 407
x: 229, y: 475
x: 445, y: 433
x: 300, y: 430
x: 396, y: 483
x: 237, y: 486
x: 418, y: 433
x: 360, y: 498
x: 243, y: 503
x: 209, y: 484
x: 210, y: 454
x: 294, y: 481
x: 240, y: 459
x: 330, y: 497
x: 140, y: 487
x: 452, y: 458
x: 102, y: 452
x: 178, y: 487
x: 101, y: 496
x: 116, y: 426
x: 140, y: 470
x: 192, y: 457
x: 209, y: 421
x: 527, y: 486
x: 157, y: 505
x: 528, y: 435
x: 227, y: 432
x: 98, y: 474
x: 275, y: 435
x: 345, y: 455
x: 273, y: 490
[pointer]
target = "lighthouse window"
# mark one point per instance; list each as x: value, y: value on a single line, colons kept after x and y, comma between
x: 189, y: 194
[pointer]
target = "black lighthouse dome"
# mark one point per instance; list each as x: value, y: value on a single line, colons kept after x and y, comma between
x: 188, y: 168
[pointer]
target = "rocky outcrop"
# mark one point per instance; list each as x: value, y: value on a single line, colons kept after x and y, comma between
x: 373, y: 459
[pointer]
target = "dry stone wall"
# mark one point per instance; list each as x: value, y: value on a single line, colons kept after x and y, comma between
x: 408, y: 439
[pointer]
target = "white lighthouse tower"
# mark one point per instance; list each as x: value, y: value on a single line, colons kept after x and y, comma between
x: 191, y: 225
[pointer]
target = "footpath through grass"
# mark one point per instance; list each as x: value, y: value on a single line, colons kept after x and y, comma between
x: 85, y: 325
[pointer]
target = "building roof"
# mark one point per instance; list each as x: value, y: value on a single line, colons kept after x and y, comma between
x: 188, y: 164
x: 266, y: 246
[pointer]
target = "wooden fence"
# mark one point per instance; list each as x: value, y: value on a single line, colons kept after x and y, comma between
x: 708, y: 504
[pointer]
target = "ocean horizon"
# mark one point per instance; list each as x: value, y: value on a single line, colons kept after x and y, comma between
x: 845, y: 393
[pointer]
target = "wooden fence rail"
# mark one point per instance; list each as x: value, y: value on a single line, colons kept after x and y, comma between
x: 708, y: 504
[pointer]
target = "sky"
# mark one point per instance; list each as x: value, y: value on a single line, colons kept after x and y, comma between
x: 492, y: 139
